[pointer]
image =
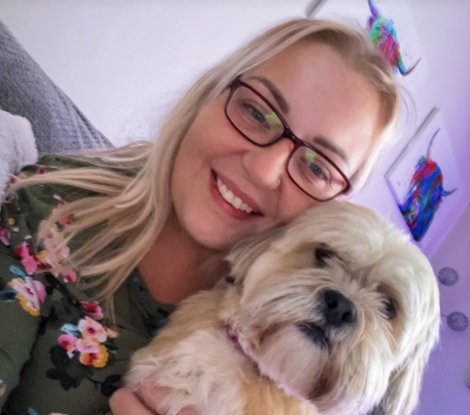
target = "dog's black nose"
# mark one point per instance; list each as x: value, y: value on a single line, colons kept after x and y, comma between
x: 339, y: 310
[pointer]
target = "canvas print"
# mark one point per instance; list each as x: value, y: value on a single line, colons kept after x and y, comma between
x: 425, y: 181
x: 391, y: 29
x: 383, y: 35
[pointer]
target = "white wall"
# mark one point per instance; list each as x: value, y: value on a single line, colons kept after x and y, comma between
x: 445, y: 388
x: 123, y: 61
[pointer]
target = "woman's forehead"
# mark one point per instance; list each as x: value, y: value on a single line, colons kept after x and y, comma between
x: 325, y: 98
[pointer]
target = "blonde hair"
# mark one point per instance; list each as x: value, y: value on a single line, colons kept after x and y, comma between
x: 133, y: 183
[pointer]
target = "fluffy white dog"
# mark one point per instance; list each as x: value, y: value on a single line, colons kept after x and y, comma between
x: 335, y: 314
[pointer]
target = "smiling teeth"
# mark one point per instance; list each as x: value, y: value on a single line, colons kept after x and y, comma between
x: 231, y: 198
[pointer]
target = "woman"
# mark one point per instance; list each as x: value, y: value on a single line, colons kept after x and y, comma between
x: 294, y: 118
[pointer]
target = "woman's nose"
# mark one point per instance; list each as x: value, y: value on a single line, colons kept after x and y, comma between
x: 267, y: 165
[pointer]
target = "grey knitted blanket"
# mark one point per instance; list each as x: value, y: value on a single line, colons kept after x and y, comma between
x: 25, y: 90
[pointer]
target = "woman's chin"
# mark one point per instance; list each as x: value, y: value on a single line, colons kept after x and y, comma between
x: 209, y: 232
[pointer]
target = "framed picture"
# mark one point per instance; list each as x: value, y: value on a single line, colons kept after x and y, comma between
x: 426, y: 183
x: 390, y: 25
x: 313, y: 7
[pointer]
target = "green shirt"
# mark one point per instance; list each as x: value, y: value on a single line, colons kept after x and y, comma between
x: 56, y: 354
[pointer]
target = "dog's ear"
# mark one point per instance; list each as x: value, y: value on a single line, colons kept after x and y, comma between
x: 245, y: 253
x: 404, y: 385
x: 376, y: 411
x: 403, y: 389
x: 230, y: 280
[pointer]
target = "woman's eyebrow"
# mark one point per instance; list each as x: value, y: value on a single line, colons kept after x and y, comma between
x: 328, y: 144
x: 281, y: 101
x: 283, y: 104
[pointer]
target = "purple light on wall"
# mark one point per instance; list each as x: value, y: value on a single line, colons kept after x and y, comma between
x: 457, y: 321
x: 448, y: 276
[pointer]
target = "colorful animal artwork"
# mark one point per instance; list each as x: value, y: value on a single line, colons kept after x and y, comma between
x: 425, y: 194
x: 383, y: 35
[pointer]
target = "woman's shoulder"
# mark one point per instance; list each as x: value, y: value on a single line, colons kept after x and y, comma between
x: 55, y: 163
x: 23, y: 209
x: 52, y: 162
x: 53, y: 190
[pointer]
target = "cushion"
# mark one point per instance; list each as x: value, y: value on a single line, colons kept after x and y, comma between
x: 25, y: 90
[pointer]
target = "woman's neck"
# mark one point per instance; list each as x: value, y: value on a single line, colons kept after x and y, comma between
x: 176, y: 266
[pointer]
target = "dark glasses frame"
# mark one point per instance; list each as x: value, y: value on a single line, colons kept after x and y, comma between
x: 287, y: 133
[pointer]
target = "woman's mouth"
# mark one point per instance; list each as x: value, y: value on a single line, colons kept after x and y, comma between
x: 235, y: 206
x: 235, y: 201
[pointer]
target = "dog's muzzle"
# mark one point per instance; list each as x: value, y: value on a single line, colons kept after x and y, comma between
x: 337, y: 312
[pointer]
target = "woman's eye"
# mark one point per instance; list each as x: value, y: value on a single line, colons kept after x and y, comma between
x: 257, y: 115
x: 312, y: 159
x: 390, y: 309
x: 317, y: 171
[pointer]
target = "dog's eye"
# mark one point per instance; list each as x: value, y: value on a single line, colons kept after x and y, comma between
x: 322, y: 253
x: 390, y: 308
x: 230, y: 279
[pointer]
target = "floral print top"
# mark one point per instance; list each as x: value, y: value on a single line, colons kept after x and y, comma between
x: 56, y: 353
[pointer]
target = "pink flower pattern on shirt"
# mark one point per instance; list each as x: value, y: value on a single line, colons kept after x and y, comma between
x: 30, y: 293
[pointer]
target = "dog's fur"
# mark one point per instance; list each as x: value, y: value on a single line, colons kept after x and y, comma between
x: 240, y: 348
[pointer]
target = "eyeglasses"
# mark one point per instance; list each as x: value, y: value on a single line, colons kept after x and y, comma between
x: 261, y: 124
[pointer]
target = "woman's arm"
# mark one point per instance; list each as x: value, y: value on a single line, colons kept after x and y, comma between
x: 22, y: 296
x: 148, y: 400
x: 125, y: 402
